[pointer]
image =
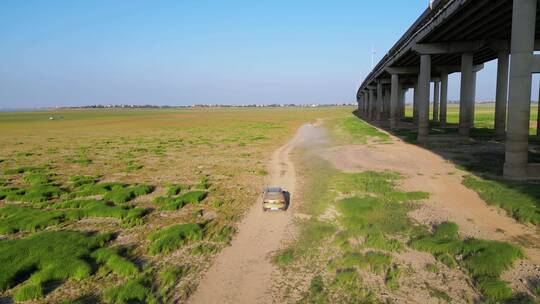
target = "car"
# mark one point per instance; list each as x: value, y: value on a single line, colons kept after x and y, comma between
x: 274, y: 199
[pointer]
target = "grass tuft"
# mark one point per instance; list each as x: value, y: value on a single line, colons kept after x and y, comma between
x: 114, y: 261
x: 484, y: 260
x: 521, y: 200
x: 15, y: 219
x: 172, y: 237
x: 352, y: 128
x: 133, y: 291
x: 78, y: 209
x: 177, y: 202
x: 82, y: 180
x: 48, y: 256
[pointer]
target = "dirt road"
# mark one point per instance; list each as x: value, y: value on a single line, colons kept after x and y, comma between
x: 242, y: 272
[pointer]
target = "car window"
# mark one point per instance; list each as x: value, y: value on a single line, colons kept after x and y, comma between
x: 273, y: 189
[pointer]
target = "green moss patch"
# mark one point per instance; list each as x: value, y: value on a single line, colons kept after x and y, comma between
x: 521, y: 200
x: 34, y: 194
x: 133, y: 291
x: 484, y: 260
x: 179, y: 201
x: 353, y: 128
x: 113, y: 192
x: 82, y: 180
x: 24, y: 219
x: 377, y: 262
x: 29, y: 263
x: 111, y: 258
x: 173, y: 237
x: 129, y: 215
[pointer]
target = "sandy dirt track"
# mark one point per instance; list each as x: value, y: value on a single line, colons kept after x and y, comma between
x: 242, y: 272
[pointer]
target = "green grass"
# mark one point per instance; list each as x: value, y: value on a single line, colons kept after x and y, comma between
x: 377, y: 209
x: 173, y: 237
x: 133, y: 291
x: 520, y: 199
x: 129, y: 215
x: 170, y: 275
x: 173, y: 190
x: 34, y: 194
x: 204, y: 249
x: 82, y: 180
x: 15, y: 219
x: 179, y: 201
x: 113, y: 192
x: 484, y: 260
x: 111, y: 258
x: 377, y: 262
x: 392, y: 277
x: 29, y: 263
x: 353, y: 129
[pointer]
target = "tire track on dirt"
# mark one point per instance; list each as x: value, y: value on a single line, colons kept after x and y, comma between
x: 242, y: 272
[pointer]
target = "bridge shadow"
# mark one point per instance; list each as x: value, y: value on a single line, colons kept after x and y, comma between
x: 482, y: 154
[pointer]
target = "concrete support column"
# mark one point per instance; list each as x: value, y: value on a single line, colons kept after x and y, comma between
x: 402, y: 93
x: 436, y: 95
x: 538, y: 118
x: 380, y: 101
x: 423, y: 97
x: 501, y: 99
x: 519, y: 101
x: 415, y: 104
x: 466, y: 94
x: 444, y: 98
x: 371, y: 103
x: 473, y: 103
x: 364, y: 101
x: 387, y: 100
x: 394, y: 101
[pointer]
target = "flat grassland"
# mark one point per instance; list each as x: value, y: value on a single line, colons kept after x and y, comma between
x: 484, y: 115
x: 128, y: 205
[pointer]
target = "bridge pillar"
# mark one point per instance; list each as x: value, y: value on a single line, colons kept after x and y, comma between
x: 519, y: 101
x: 436, y: 95
x: 387, y: 101
x: 395, y: 89
x: 538, y: 117
x: 444, y: 98
x: 402, y: 93
x: 415, y: 104
x: 371, y: 110
x: 365, y: 94
x: 501, y: 99
x: 380, y: 103
x: 473, y: 103
x: 423, y: 97
x: 466, y: 94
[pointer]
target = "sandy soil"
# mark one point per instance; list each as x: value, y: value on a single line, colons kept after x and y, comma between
x: 242, y: 272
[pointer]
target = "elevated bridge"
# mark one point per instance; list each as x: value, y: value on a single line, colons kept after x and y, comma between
x: 460, y: 36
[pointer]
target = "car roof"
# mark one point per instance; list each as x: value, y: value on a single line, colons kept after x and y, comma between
x: 274, y: 189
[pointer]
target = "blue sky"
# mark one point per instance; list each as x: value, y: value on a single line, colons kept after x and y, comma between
x: 60, y: 53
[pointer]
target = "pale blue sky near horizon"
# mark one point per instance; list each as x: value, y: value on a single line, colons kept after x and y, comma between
x: 70, y: 53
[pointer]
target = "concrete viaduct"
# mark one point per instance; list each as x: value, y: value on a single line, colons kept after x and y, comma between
x: 460, y: 36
